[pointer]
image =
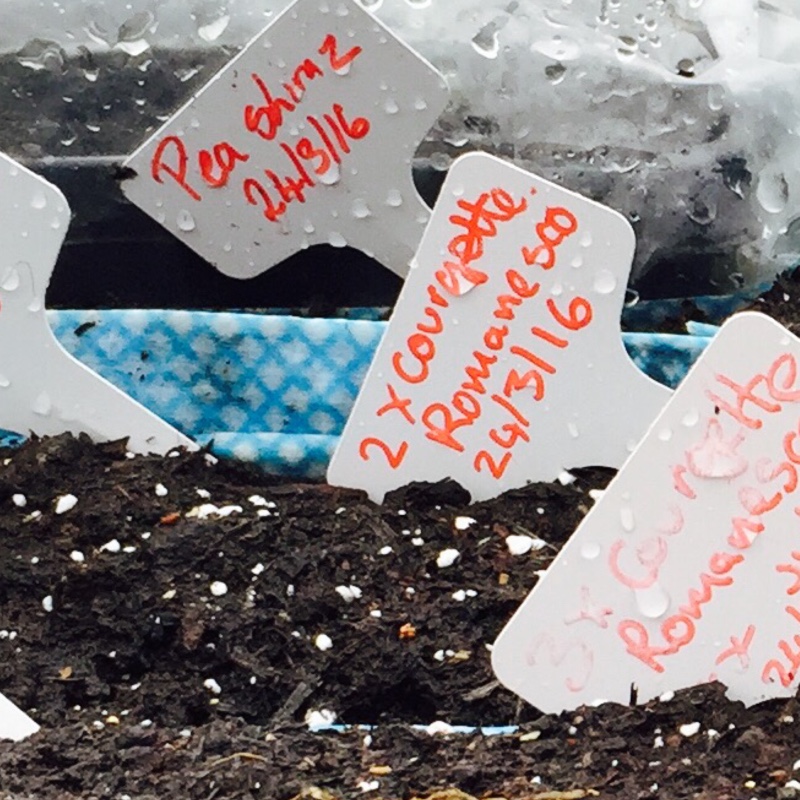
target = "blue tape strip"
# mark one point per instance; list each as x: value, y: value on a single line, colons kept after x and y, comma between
x: 266, y: 388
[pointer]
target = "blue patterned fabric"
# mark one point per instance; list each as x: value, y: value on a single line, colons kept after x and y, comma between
x: 268, y: 389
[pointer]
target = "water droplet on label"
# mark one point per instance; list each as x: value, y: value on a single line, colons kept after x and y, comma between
x: 35, y: 305
x: 186, y: 221
x: 419, y: 3
x: 390, y: 106
x: 394, y: 198
x: 227, y: 247
x: 590, y: 550
x: 653, y: 602
x: 42, y: 405
x: 586, y: 239
x: 11, y: 280
x: 691, y: 418
x: 573, y: 430
x: 420, y: 104
x: 308, y: 226
x: 332, y: 175
x: 39, y: 200
x: 577, y: 262
x: 665, y: 434
x: 626, y: 518
x: 557, y: 290
x: 213, y: 30
x: 372, y: 5
x: 605, y: 282
x: 360, y: 209
x: 337, y: 240
x: 4, y: 382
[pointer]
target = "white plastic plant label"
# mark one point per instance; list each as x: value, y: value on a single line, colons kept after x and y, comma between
x: 43, y: 389
x: 503, y: 362
x: 306, y: 137
x: 14, y: 724
x: 687, y: 570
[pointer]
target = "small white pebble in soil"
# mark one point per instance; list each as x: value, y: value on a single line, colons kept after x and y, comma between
x: 19, y: 500
x: 410, y: 590
x: 47, y: 603
x: 796, y: 765
x: 66, y: 502
x: 203, y: 494
x: 417, y: 541
x: 369, y: 786
x: 35, y: 560
x: 596, y: 494
x: 793, y: 784
x: 385, y: 551
x: 323, y: 642
x: 438, y: 727
x: 463, y: 523
x: 112, y: 546
x: 439, y: 655
x: 749, y: 784
x: 566, y: 478
x: 349, y: 593
x: 146, y: 723
x: 290, y: 590
x: 258, y: 569
x: 689, y: 729
x: 447, y: 558
x: 169, y: 594
x: 667, y: 696
x: 218, y: 589
x: 519, y: 545
x: 317, y: 720
x: 459, y: 596
x: 161, y: 490
x: 257, y: 500
x: 376, y: 613
x: 129, y: 549
x: 659, y: 741
x: 212, y: 686
x: 77, y: 556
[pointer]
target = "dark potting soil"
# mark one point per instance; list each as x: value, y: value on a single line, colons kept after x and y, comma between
x: 171, y: 652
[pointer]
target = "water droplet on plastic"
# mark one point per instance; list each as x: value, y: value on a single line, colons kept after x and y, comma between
x: 394, y: 198
x: 332, y: 175
x: 35, y: 305
x: 573, y: 430
x: 227, y: 247
x: 420, y: 104
x: 308, y: 226
x: 605, y: 282
x: 627, y: 48
x: 691, y: 418
x: 653, y: 602
x: 42, y: 405
x: 577, y: 262
x: 41, y: 54
x: 337, y: 240
x: 665, y: 434
x: 390, y: 106
x: 557, y: 290
x: 419, y: 3
x: 486, y: 43
x: 586, y: 239
x: 555, y: 73
x: 39, y: 200
x: 4, y: 382
x: 11, y: 280
x: 186, y: 221
x: 631, y: 298
x: 590, y: 550
x: 372, y: 5
x: 772, y: 191
x: 626, y: 518
x: 360, y: 209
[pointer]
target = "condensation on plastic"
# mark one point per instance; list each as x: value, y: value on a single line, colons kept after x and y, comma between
x: 684, y: 116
